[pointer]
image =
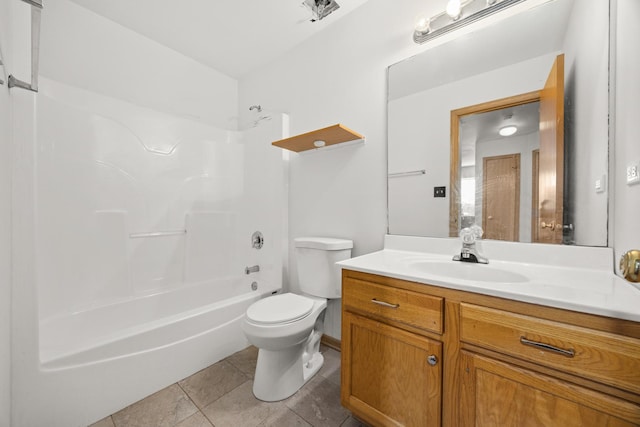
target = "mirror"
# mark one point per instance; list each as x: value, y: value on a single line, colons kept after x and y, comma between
x: 447, y: 104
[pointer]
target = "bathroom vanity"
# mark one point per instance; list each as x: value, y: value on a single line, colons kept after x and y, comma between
x: 528, y: 344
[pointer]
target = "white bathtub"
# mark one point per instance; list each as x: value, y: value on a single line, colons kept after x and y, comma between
x: 88, y: 358
x: 135, y: 326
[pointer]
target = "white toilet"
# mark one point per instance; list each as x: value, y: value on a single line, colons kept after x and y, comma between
x: 287, y: 328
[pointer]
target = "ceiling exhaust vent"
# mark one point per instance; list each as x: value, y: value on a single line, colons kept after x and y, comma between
x: 320, y: 8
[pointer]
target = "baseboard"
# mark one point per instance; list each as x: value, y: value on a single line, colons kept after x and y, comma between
x: 330, y: 342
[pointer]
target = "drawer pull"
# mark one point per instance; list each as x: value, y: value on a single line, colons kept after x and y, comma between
x: 557, y: 350
x: 385, y: 304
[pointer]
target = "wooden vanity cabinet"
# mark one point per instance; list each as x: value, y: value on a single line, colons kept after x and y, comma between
x: 506, y: 386
x: 501, y: 394
x: 420, y: 355
x: 391, y: 355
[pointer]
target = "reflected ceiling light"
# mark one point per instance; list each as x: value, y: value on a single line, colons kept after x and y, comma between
x: 458, y: 14
x: 508, y: 130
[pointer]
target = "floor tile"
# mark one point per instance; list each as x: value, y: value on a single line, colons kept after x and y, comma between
x: 318, y: 402
x: 213, y: 382
x: 331, y: 367
x: 245, y: 360
x: 165, y: 408
x: 105, y: 422
x: 285, y: 418
x: 240, y: 408
x: 353, y: 422
x: 195, y: 420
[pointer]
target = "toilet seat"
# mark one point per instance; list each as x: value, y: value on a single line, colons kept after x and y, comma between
x: 278, y: 309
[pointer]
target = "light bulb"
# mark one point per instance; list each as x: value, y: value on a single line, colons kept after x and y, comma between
x: 454, y: 7
x: 422, y: 25
x: 508, y: 130
x: 319, y: 143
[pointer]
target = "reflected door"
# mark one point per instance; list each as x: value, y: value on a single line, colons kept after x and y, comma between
x: 551, y: 166
x: 501, y: 197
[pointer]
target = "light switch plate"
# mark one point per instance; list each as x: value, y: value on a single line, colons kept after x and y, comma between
x: 633, y: 174
x: 600, y: 184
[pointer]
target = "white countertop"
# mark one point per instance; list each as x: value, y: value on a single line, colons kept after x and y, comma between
x: 573, y: 278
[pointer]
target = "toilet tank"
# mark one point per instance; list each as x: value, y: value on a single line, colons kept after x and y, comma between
x: 316, y: 258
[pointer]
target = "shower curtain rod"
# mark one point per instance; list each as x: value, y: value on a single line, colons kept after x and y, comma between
x: 36, y: 7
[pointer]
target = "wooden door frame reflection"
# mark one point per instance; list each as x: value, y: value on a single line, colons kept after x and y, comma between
x: 456, y: 115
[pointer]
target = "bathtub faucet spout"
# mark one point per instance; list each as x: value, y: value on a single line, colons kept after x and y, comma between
x: 254, y: 269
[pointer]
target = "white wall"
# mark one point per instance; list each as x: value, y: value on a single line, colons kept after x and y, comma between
x: 586, y: 47
x: 339, y: 77
x: 85, y: 50
x: 5, y: 219
x: 627, y: 127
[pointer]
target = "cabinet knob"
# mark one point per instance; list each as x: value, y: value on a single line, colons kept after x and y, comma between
x: 432, y: 360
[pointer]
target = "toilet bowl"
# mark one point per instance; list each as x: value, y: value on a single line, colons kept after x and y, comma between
x: 288, y: 343
x: 287, y: 328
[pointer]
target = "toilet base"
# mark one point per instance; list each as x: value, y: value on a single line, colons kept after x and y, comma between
x: 279, y: 374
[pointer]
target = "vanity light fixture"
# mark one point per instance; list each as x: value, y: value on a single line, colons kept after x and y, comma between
x: 422, y: 25
x: 458, y: 14
x: 508, y: 130
x: 454, y: 9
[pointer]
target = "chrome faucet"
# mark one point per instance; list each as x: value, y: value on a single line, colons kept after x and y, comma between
x: 469, y: 252
x: 254, y: 269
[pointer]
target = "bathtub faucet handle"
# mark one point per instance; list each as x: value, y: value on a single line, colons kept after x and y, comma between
x: 254, y: 269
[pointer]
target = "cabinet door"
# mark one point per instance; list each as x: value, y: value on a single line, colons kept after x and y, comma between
x: 494, y: 393
x: 390, y: 377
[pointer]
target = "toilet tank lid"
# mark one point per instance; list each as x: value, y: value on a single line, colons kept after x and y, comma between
x: 324, y: 243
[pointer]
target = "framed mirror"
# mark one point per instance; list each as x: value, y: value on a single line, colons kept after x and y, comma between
x: 449, y: 167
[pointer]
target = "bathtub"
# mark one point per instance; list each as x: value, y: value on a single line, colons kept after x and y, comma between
x: 139, y: 325
x: 88, y: 358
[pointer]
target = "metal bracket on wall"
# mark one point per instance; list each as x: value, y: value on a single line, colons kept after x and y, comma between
x: 36, y: 7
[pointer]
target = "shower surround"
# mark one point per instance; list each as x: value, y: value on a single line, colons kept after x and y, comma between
x: 142, y: 226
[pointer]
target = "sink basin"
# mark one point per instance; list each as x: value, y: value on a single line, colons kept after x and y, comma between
x: 467, y: 271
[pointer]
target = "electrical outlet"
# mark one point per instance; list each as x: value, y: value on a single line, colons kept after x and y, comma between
x: 439, y: 191
x: 633, y: 174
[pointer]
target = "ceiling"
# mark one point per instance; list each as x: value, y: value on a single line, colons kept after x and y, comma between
x: 233, y: 37
x: 483, y: 127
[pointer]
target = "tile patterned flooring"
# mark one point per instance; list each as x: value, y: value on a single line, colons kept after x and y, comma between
x: 220, y: 396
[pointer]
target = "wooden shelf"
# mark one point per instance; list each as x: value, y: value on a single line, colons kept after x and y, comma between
x: 331, y: 135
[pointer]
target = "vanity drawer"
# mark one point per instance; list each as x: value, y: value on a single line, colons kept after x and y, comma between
x: 605, y: 357
x: 398, y: 306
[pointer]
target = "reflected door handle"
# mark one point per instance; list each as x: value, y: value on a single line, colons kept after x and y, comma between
x: 547, y: 225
